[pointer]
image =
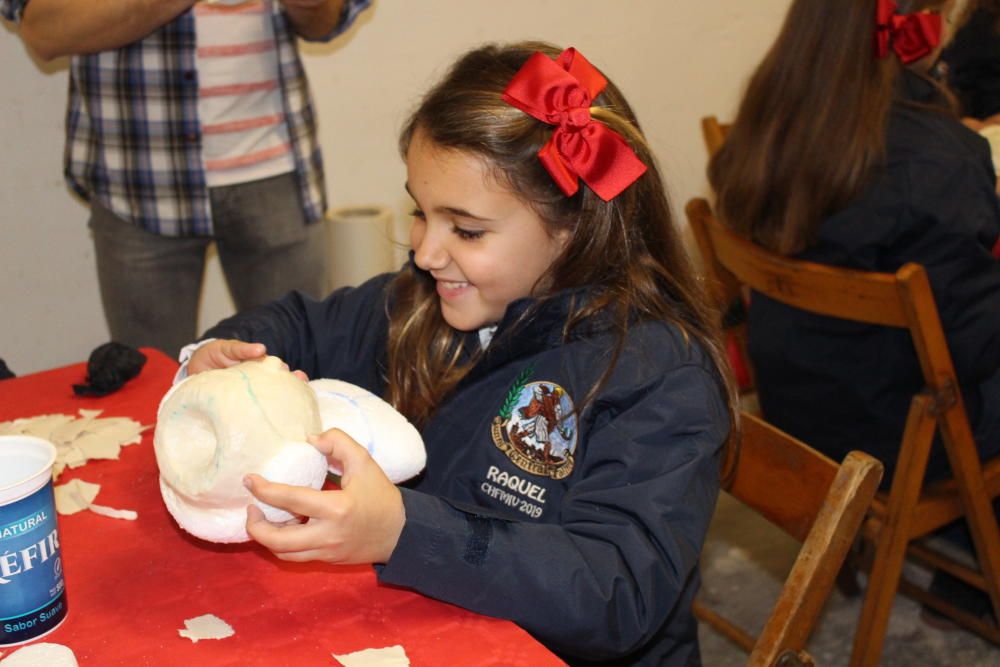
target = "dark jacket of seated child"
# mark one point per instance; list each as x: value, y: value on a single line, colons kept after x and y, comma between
x: 840, y: 385
x: 584, y: 529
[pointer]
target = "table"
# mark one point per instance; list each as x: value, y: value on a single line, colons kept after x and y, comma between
x: 131, y: 584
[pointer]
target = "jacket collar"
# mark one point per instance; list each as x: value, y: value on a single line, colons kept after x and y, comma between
x: 530, y: 326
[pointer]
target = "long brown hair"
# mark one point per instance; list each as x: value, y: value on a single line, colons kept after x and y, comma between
x: 811, y: 128
x: 629, y: 247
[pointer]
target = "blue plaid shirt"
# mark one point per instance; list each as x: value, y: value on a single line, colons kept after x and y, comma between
x: 133, y: 138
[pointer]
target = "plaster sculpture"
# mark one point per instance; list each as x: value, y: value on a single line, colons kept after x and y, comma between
x: 215, y: 427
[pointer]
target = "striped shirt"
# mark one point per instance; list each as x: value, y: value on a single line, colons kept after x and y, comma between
x: 133, y: 134
x: 244, y: 134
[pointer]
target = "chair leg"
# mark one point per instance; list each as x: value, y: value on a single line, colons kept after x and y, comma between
x: 883, y: 581
x: 894, y: 535
x: 847, y: 577
x: 979, y: 511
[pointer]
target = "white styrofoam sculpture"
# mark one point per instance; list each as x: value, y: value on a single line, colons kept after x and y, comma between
x: 215, y: 427
x: 392, y: 441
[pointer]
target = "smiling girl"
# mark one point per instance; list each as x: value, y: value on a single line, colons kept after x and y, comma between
x: 551, y: 343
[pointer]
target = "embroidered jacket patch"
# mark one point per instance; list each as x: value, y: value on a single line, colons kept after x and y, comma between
x: 537, y: 427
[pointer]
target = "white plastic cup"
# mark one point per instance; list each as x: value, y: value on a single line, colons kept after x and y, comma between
x: 32, y: 589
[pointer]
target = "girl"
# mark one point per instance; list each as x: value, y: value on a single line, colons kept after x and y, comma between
x: 551, y: 343
x: 852, y: 157
x: 847, y: 154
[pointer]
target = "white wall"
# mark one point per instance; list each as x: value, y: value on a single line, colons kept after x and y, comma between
x: 675, y: 61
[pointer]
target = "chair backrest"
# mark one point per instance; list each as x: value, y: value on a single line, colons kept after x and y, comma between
x: 714, y: 133
x: 816, y: 501
x: 902, y: 299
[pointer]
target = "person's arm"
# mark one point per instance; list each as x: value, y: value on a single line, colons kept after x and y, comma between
x: 53, y: 28
x: 339, y: 336
x: 314, y: 19
x: 973, y: 124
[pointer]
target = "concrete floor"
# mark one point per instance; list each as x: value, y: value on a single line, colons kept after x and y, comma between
x: 744, y: 563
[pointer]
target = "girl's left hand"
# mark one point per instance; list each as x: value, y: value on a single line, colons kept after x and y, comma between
x: 360, y: 523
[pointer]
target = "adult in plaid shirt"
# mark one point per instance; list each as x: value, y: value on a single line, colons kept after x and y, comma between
x: 134, y: 151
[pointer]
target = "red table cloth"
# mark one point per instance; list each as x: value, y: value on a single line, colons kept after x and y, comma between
x: 131, y: 584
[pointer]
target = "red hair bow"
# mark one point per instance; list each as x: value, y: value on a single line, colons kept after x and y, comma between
x: 912, y: 36
x: 559, y: 92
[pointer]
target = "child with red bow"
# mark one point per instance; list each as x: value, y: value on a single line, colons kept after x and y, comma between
x: 545, y: 263
x: 846, y: 151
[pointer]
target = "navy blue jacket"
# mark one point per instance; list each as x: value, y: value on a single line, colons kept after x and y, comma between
x: 585, y: 531
x: 839, y: 385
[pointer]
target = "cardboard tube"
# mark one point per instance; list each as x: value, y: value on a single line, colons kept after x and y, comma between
x: 360, y: 242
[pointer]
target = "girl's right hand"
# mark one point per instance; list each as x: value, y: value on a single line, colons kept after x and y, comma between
x: 223, y: 354
x: 359, y: 523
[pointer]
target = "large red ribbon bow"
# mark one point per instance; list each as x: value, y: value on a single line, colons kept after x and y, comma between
x: 911, y: 36
x: 559, y: 92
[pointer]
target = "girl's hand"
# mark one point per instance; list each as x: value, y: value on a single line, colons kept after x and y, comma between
x: 360, y: 523
x: 223, y: 354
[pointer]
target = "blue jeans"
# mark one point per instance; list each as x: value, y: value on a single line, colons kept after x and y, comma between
x: 151, y: 284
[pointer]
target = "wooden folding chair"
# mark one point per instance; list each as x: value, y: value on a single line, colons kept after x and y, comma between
x: 910, y: 510
x: 714, y: 133
x: 817, y: 502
